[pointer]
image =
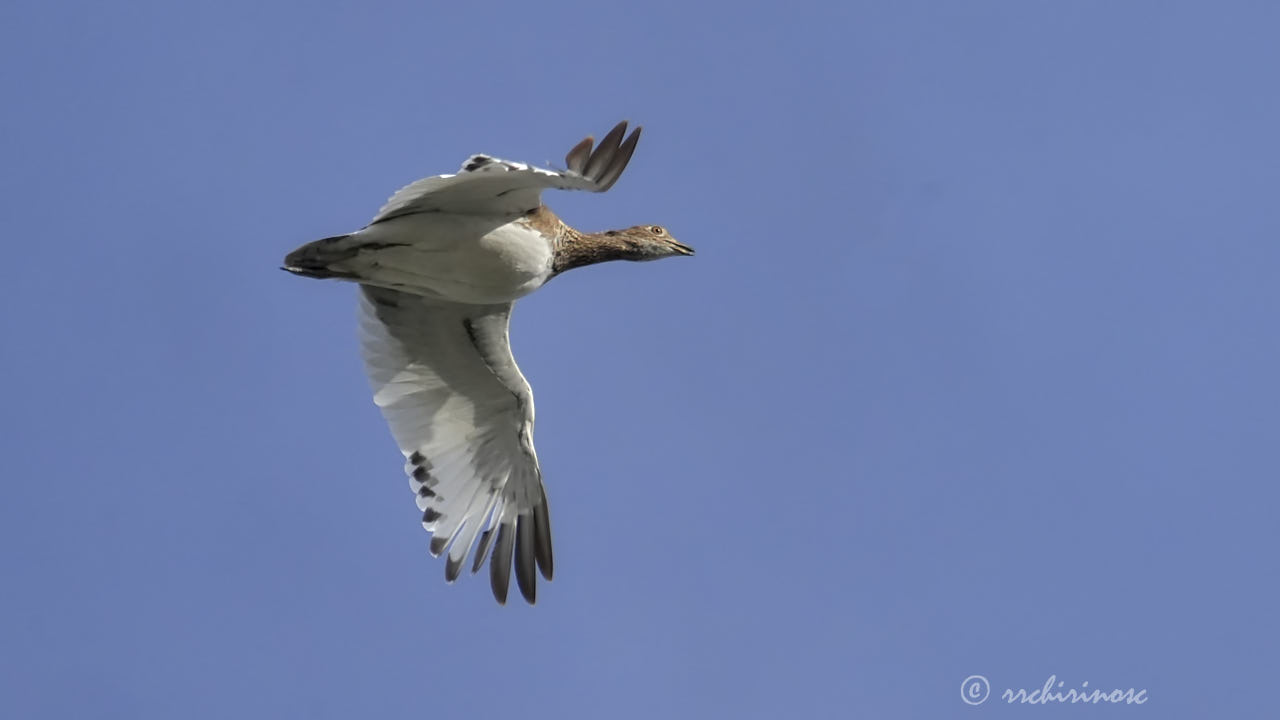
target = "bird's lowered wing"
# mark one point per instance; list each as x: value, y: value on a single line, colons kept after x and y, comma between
x: 489, y: 186
x: 462, y: 414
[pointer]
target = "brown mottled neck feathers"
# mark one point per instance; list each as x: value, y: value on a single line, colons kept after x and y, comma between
x: 574, y: 249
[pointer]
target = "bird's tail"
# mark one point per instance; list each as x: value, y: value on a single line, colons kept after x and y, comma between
x: 317, y: 259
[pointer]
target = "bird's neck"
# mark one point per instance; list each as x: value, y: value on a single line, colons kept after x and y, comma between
x: 578, y: 249
x: 572, y: 248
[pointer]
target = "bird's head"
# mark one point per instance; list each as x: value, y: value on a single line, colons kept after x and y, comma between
x: 646, y: 242
x: 642, y: 242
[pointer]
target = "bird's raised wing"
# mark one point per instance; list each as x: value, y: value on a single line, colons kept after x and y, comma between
x: 462, y: 414
x: 489, y: 186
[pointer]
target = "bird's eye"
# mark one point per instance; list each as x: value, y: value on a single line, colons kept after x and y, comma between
x: 656, y: 230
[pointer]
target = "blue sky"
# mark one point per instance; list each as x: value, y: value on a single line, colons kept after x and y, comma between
x: 974, y: 372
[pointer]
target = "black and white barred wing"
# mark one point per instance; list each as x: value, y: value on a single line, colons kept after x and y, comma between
x: 490, y: 186
x: 462, y: 414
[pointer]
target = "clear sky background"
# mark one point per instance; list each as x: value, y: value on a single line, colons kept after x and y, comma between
x: 975, y: 371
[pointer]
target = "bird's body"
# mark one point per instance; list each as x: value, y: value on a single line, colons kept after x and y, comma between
x: 440, y: 267
x: 462, y: 258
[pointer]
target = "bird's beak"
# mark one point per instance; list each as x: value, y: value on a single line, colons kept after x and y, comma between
x: 680, y: 247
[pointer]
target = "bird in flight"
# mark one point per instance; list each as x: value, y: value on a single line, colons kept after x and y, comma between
x: 439, y: 268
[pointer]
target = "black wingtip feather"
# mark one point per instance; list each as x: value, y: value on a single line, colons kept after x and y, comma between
x: 451, y: 568
x: 604, y: 163
x: 577, y: 158
x: 602, y: 156
x: 500, y: 563
x: 482, y: 550
x: 526, y: 565
x: 619, y: 161
x: 437, y: 546
x: 542, y: 537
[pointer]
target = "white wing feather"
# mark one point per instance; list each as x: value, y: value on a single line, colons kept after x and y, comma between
x: 462, y: 414
x: 489, y: 186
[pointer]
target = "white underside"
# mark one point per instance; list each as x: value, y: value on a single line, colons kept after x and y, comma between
x: 461, y: 258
